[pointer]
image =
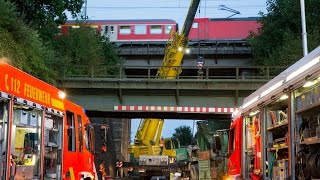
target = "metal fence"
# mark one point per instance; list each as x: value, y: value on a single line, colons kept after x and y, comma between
x: 186, y: 72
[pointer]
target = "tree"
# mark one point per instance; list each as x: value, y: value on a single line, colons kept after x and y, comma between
x: 183, y: 134
x: 47, y: 15
x: 22, y: 45
x: 278, y: 42
x: 215, y: 125
x: 83, y: 50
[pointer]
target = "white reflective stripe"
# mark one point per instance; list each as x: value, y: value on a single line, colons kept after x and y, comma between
x: 119, y: 164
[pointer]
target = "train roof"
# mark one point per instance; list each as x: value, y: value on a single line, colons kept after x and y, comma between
x: 125, y: 21
x: 163, y: 20
x: 235, y: 19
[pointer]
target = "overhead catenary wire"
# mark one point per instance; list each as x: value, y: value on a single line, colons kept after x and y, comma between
x: 166, y: 7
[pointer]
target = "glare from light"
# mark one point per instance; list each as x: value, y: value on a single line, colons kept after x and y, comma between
x: 283, y: 97
x: 180, y: 49
x: 250, y: 102
x: 188, y: 51
x: 253, y: 113
x: 169, y: 27
x: 309, y: 83
x: 62, y: 95
x: 236, y: 112
x: 303, y: 68
x: 270, y: 89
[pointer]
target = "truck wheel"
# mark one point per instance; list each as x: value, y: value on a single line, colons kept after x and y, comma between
x: 194, y: 172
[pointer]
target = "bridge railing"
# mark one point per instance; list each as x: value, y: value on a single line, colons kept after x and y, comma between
x: 187, y: 72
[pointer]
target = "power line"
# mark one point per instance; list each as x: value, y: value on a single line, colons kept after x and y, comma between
x: 163, y: 7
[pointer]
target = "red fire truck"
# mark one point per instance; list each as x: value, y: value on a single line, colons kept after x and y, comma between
x: 276, y: 133
x: 42, y: 134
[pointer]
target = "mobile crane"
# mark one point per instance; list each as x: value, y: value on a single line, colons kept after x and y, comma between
x: 146, y: 145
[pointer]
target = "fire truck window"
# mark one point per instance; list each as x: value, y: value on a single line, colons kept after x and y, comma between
x: 71, y: 131
x: 140, y: 29
x: 231, y: 142
x: 80, y: 133
x: 155, y: 29
x: 86, y: 137
x: 125, y: 30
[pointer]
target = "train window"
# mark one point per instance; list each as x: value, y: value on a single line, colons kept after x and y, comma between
x: 125, y: 29
x: 155, y: 29
x: 80, y: 134
x: 106, y: 28
x: 195, y: 25
x: 71, y: 132
x: 140, y: 29
x: 167, y: 29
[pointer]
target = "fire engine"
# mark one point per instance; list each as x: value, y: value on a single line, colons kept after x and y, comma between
x: 42, y: 134
x: 276, y: 132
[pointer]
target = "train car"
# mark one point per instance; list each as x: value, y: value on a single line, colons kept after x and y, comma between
x: 157, y: 30
x: 144, y: 30
x: 42, y: 134
x: 207, y: 29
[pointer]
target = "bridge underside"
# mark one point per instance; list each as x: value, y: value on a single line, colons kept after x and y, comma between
x: 160, y: 115
x: 101, y: 96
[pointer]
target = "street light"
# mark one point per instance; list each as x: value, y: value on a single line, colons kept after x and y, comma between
x: 304, y: 29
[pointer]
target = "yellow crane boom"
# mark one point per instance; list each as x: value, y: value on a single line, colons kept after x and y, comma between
x: 150, y: 130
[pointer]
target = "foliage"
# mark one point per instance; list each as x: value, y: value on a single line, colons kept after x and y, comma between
x: 47, y: 15
x: 206, y: 131
x: 22, y: 45
x: 278, y: 41
x: 215, y: 125
x: 183, y: 134
x: 82, y: 50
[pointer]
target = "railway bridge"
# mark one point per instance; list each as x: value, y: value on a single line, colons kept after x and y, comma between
x: 132, y: 90
x: 116, y: 94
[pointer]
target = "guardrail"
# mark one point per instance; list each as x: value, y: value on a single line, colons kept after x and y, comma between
x: 187, y: 72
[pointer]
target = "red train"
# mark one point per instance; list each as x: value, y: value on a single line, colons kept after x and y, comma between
x: 157, y: 30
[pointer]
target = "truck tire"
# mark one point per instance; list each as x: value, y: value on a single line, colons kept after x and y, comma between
x: 194, y: 175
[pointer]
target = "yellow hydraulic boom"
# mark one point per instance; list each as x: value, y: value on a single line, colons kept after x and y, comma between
x: 150, y: 130
x: 177, y: 46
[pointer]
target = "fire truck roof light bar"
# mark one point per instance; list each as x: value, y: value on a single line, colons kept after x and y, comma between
x: 303, y: 68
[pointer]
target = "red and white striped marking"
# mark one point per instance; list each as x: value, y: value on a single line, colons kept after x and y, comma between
x: 175, y: 109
